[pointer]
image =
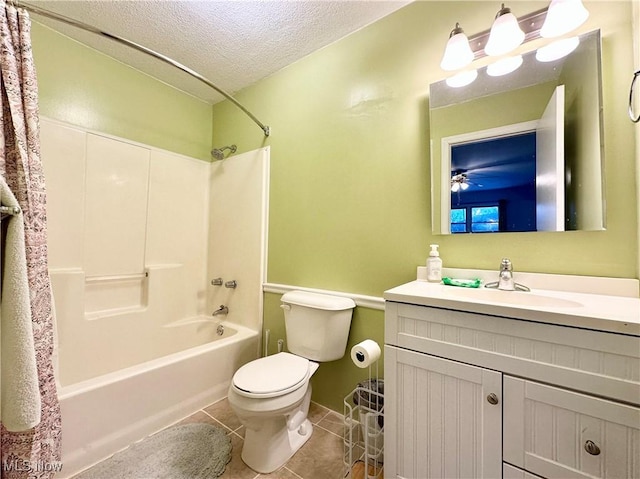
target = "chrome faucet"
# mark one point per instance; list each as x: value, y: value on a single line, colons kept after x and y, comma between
x: 505, y: 279
x: 221, y: 310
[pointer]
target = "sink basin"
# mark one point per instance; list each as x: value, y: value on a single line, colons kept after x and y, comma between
x: 509, y: 297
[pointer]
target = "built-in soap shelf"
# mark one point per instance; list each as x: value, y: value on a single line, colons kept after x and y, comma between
x: 158, y: 291
x: 115, y: 294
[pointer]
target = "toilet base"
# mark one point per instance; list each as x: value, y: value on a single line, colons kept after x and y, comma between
x: 266, y: 456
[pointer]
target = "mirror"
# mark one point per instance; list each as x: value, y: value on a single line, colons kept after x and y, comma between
x: 522, y: 151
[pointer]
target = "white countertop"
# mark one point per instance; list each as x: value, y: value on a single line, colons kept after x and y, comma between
x: 599, y: 312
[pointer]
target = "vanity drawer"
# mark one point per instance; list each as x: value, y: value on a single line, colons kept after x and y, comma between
x: 557, y: 433
x: 595, y: 362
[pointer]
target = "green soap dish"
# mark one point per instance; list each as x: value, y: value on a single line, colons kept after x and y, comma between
x: 465, y: 283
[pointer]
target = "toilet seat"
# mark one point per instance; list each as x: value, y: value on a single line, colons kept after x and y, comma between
x: 271, y: 376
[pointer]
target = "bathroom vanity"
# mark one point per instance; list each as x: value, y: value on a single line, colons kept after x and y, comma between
x: 486, y: 384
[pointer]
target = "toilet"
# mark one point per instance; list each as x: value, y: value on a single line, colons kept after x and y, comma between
x: 271, y: 395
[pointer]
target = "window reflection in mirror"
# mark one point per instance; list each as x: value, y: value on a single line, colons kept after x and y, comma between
x: 528, y: 143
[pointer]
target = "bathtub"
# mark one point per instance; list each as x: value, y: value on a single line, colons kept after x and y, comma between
x: 105, y: 414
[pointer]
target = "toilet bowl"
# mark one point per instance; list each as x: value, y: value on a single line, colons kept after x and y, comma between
x: 271, y: 395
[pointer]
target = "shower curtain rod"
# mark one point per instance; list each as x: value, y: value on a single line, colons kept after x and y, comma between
x: 123, y: 41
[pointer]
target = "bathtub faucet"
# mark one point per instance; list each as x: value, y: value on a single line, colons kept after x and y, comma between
x: 221, y: 310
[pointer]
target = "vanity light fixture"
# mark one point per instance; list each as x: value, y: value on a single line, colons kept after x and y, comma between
x: 463, y: 78
x: 457, y: 53
x: 563, y: 16
x: 558, y: 49
x: 504, y: 66
x: 506, y: 34
x: 509, y: 32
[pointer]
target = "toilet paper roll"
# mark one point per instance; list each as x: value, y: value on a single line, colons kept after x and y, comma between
x: 366, y: 353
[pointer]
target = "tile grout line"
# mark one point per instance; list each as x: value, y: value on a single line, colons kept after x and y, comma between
x: 219, y: 422
x: 330, y: 432
x: 226, y: 427
x: 297, y: 475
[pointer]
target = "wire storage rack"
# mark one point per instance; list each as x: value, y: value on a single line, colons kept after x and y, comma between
x: 364, y: 430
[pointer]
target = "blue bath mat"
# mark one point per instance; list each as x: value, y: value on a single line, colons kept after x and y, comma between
x: 189, y: 451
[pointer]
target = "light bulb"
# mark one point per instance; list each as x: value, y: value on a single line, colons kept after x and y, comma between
x: 458, y: 53
x: 455, y: 187
x: 558, y: 49
x: 506, y: 35
x: 464, y: 185
x: 462, y: 79
x: 562, y: 17
x: 504, y: 66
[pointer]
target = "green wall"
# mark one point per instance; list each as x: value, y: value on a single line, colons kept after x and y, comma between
x: 350, y: 200
x: 81, y: 86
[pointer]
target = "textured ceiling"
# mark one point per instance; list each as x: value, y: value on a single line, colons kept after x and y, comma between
x: 232, y: 43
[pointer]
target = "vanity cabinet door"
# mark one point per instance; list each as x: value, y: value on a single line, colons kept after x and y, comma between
x: 510, y: 472
x: 443, y: 418
x: 558, y: 433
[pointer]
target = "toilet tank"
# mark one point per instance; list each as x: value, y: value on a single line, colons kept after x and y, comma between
x: 317, y: 325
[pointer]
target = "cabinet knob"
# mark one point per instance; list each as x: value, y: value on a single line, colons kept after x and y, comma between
x: 492, y: 398
x: 592, y: 448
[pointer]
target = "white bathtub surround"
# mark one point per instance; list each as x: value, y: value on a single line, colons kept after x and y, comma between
x: 238, y: 208
x: 120, y: 337
x: 137, y: 234
x: 116, y: 208
x: 121, y: 263
x: 116, y: 198
x: 107, y: 413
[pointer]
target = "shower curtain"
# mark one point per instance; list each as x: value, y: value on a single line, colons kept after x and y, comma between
x: 34, y: 453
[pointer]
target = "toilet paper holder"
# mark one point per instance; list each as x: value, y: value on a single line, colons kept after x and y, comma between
x: 365, y: 353
x: 364, y: 417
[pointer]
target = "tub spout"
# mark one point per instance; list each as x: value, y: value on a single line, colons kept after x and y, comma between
x: 221, y: 310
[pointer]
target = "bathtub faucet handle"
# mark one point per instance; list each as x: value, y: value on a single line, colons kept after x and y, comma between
x: 231, y: 284
x: 221, y: 310
x: 216, y: 282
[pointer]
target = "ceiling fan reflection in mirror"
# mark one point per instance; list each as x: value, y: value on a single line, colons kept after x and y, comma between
x: 460, y: 182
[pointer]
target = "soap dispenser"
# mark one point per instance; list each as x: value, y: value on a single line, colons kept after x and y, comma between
x: 434, y: 265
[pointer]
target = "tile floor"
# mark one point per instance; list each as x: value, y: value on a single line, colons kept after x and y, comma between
x: 320, y: 458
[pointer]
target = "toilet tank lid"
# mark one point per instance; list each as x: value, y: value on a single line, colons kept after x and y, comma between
x: 318, y: 300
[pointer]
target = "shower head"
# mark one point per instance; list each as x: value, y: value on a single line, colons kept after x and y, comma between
x: 218, y: 153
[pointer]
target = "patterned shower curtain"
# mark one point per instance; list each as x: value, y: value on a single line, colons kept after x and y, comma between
x: 34, y: 453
